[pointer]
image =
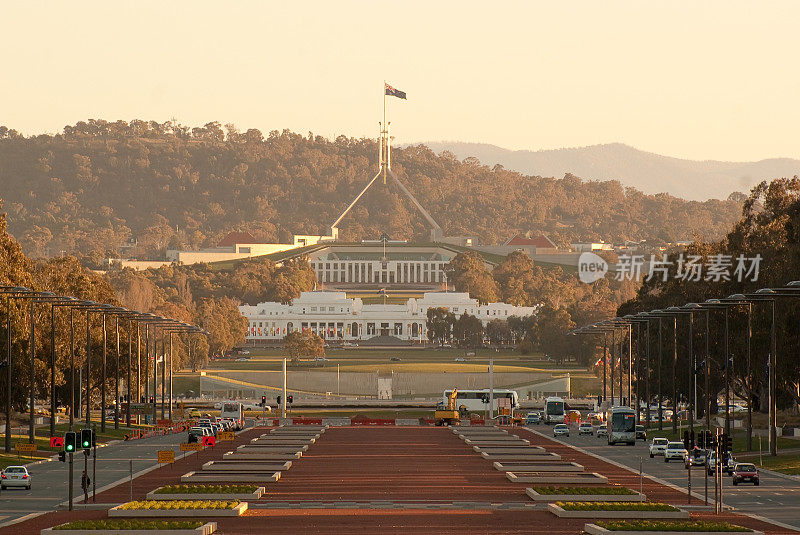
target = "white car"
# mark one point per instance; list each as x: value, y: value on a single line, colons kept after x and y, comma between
x: 585, y: 429
x: 658, y: 446
x: 602, y: 431
x: 15, y: 476
x: 561, y: 430
x: 675, y: 451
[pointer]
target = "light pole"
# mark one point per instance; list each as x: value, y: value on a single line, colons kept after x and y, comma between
x: 11, y: 292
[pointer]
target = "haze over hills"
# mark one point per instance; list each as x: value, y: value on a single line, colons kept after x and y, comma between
x: 645, y: 171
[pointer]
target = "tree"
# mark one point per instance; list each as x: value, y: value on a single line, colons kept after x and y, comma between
x: 468, y: 331
x: 551, y: 332
x: 515, y: 279
x: 299, y: 344
x: 498, y: 332
x: 440, y: 325
x: 467, y: 272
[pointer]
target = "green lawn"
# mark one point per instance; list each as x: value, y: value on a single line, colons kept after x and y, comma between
x: 787, y: 464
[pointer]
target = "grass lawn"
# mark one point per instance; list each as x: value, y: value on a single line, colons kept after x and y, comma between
x: 787, y: 464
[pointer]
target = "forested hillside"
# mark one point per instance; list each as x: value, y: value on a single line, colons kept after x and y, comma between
x: 98, y: 186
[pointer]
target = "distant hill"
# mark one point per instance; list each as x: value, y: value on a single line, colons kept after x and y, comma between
x: 645, y: 171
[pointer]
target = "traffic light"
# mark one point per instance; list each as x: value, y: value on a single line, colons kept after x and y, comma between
x: 726, y: 442
x: 686, y: 442
x: 279, y: 400
x: 86, y: 439
x: 62, y: 456
x: 263, y: 401
x: 289, y: 399
x: 701, y: 439
x: 152, y: 399
x: 70, y: 441
x: 711, y: 440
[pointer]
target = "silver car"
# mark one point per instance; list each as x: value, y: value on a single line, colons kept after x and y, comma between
x: 15, y: 476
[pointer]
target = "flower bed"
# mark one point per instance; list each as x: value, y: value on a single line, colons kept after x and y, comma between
x: 177, y: 508
x: 650, y: 527
x: 637, y: 510
x: 133, y: 527
x: 207, y: 492
x: 584, y: 494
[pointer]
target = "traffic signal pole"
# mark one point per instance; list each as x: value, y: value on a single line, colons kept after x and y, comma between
x: 71, y: 454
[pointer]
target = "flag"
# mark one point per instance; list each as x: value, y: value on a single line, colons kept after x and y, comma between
x: 382, y: 291
x: 392, y: 92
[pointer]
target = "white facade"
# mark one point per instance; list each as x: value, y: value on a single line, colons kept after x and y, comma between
x: 334, y: 316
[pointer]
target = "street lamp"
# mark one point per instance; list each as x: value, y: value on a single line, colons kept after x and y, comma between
x: 11, y: 292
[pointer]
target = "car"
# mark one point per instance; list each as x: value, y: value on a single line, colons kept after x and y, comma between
x: 195, y: 413
x: 697, y: 457
x: 640, y: 432
x: 675, y: 451
x: 243, y: 359
x: 657, y: 446
x: 585, y: 429
x: 745, y: 472
x: 321, y: 359
x: 395, y: 359
x: 602, y: 431
x: 196, y: 434
x: 560, y: 430
x: 15, y: 476
x: 533, y: 418
x: 460, y: 359
x: 728, y: 463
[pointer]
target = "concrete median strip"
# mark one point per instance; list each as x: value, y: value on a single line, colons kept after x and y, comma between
x: 594, y: 529
x: 118, y: 511
x: 508, y: 449
x: 545, y: 478
x: 262, y: 448
x: 553, y: 466
x: 535, y: 456
x: 206, y: 529
x: 155, y: 495
x: 535, y: 496
x: 230, y: 477
x: 241, y: 456
x: 246, y: 466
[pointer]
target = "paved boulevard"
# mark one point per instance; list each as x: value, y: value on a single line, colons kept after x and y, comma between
x: 777, y: 498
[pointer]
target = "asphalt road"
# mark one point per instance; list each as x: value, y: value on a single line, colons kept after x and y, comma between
x: 776, y: 498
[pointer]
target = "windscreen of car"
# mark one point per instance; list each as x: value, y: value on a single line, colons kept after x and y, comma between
x: 15, y: 470
x: 675, y: 446
x: 659, y: 441
x: 555, y: 407
x: 622, y: 422
x: 746, y: 468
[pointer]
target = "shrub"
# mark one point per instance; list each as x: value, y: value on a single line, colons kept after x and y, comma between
x: 679, y: 525
x: 162, y: 505
x: 616, y: 506
x: 207, y: 489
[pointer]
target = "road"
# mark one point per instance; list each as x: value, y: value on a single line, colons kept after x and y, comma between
x: 777, y: 498
x: 50, y: 479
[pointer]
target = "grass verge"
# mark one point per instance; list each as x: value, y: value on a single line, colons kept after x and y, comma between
x: 207, y: 489
x: 584, y: 491
x: 616, y: 506
x: 675, y: 525
x: 125, y: 524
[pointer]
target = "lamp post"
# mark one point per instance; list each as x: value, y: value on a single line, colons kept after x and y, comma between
x: 69, y: 302
x: 639, y: 319
x: 11, y: 292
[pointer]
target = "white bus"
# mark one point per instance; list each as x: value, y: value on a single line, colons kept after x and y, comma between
x: 235, y: 410
x: 621, y: 425
x: 472, y: 400
x: 554, y: 410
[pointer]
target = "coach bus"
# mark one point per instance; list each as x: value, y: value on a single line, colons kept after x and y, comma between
x: 621, y: 425
x: 554, y: 410
x: 472, y: 400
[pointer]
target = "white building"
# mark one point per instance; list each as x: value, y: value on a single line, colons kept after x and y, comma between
x: 334, y: 316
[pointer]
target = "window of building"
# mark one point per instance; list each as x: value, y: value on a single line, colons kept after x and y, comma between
x: 331, y: 309
x: 313, y: 309
x: 398, y: 329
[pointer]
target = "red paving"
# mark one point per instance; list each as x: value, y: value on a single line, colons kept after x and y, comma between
x: 404, y: 464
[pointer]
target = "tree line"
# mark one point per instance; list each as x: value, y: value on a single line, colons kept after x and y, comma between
x: 106, y: 189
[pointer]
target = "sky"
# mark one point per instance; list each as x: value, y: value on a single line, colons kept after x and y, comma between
x: 698, y: 80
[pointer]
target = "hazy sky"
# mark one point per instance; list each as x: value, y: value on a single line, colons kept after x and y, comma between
x: 700, y: 80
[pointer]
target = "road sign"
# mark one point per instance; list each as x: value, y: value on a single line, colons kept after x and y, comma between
x: 226, y: 436
x: 191, y: 446
x: 209, y: 441
x: 24, y: 447
x: 138, y: 408
x: 166, y: 456
x: 56, y: 442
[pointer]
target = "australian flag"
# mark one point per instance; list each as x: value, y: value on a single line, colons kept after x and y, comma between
x: 392, y: 92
